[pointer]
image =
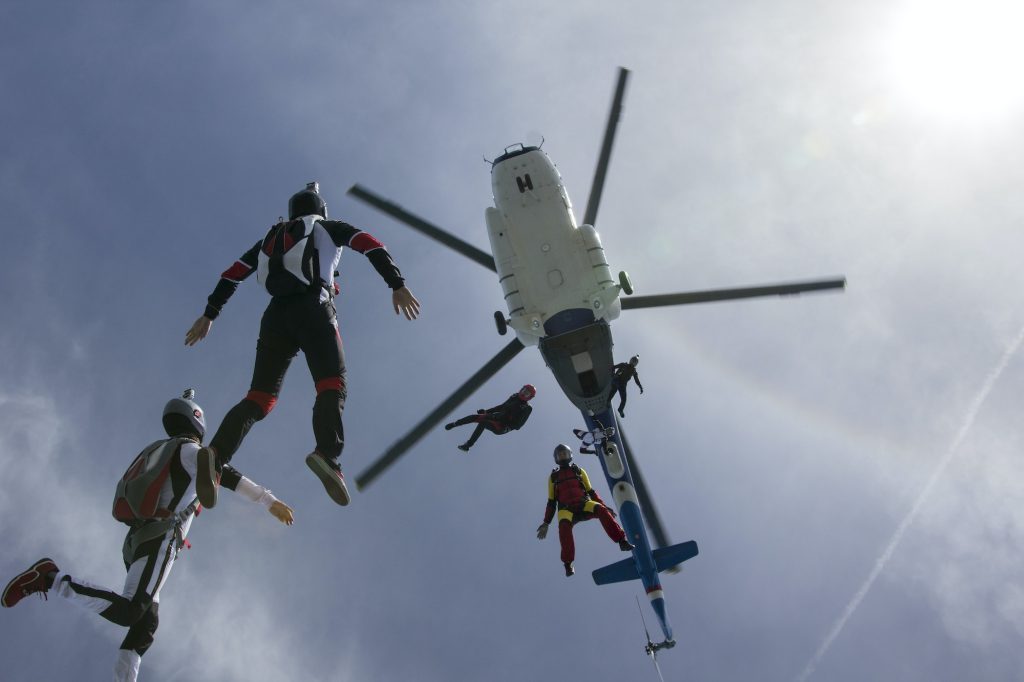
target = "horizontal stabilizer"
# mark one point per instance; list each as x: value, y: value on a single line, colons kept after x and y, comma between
x: 619, y: 572
x: 667, y: 557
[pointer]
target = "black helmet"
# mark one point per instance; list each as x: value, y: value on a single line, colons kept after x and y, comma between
x: 182, y: 413
x: 307, y: 202
x: 565, y: 450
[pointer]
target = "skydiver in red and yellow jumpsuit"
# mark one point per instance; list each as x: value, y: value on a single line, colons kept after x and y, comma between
x: 570, y: 493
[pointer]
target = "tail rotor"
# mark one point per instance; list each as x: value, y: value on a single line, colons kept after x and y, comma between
x: 651, y: 648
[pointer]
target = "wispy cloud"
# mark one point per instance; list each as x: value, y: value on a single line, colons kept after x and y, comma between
x: 883, y: 560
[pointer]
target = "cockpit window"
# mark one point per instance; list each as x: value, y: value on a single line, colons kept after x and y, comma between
x: 515, y: 150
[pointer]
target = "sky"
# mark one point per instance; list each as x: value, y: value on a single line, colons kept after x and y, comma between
x: 849, y: 463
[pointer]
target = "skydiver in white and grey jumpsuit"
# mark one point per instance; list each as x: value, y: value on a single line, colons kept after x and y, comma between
x: 148, y: 557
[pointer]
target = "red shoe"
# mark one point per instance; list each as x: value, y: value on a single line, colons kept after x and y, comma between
x: 29, y: 582
x: 207, y: 477
x: 329, y: 473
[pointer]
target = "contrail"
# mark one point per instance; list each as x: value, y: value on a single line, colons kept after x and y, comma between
x: 880, y: 563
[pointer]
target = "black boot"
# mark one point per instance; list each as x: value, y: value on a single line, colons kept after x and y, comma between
x: 569, y: 570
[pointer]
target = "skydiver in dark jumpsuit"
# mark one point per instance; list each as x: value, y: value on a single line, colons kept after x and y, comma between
x: 622, y: 373
x: 296, y: 261
x: 509, y: 416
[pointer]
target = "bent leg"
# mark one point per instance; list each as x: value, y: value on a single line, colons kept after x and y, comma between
x: 136, y: 643
x: 608, y: 522
x: 496, y: 426
x: 480, y: 426
x: 120, y: 609
x: 274, y: 353
x: 142, y: 632
x: 146, y: 575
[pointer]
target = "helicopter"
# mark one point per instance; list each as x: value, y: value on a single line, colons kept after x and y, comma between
x: 561, y: 296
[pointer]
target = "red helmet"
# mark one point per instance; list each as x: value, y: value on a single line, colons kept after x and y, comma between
x: 527, y: 392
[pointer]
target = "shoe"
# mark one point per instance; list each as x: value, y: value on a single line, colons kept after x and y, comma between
x: 329, y: 473
x: 449, y: 426
x: 207, y: 477
x: 625, y: 545
x: 29, y: 582
x: 569, y: 570
x: 464, y: 447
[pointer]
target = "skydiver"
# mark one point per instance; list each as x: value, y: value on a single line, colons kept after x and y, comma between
x: 590, y: 439
x: 509, y: 416
x: 152, y: 544
x: 296, y: 262
x: 621, y: 374
x: 570, y: 493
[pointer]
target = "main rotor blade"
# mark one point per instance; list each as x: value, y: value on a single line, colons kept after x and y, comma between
x: 439, y: 413
x: 644, y: 496
x: 597, y: 187
x: 791, y: 289
x: 433, y: 231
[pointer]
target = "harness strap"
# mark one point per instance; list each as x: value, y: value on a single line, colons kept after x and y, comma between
x: 155, y: 529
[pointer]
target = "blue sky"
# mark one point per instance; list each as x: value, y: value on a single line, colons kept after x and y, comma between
x: 145, y: 146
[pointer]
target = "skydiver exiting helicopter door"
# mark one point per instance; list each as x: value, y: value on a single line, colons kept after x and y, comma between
x: 622, y: 373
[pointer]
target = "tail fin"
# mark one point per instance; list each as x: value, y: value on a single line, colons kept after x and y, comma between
x: 664, y: 558
x: 619, y: 572
x: 667, y: 557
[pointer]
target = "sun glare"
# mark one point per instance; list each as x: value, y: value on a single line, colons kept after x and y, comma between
x: 958, y: 60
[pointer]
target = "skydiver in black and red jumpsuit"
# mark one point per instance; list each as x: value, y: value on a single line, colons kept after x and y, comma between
x: 509, y: 416
x: 296, y: 261
x: 575, y: 500
x: 621, y: 374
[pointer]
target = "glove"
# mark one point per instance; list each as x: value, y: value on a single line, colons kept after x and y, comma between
x: 542, y: 531
x: 282, y: 512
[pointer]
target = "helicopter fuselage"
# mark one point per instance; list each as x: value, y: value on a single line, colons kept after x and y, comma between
x: 546, y: 263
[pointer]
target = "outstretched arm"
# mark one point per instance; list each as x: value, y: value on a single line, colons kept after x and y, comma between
x: 636, y: 378
x: 343, y: 234
x: 226, y: 286
x: 233, y: 480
